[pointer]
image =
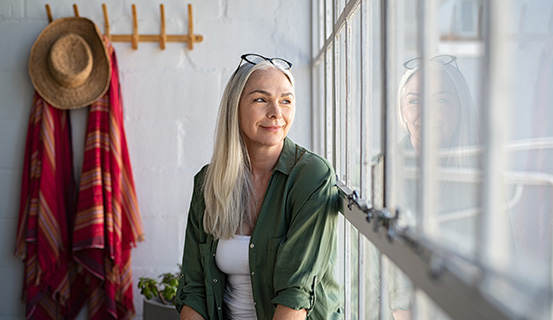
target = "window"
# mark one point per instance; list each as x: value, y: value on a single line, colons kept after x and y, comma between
x: 436, y: 116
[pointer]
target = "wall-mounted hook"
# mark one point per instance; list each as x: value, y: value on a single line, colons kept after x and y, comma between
x: 162, y: 38
x: 106, y: 22
x: 163, y: 35
x: 190, y: 28
x: 134, y: 37
x: 49, y: 13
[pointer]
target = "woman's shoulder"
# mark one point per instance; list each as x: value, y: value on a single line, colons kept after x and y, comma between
x: 312, y: 166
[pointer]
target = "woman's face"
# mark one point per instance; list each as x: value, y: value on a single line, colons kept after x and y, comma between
x: 447, y: 104
x: 266, y: 109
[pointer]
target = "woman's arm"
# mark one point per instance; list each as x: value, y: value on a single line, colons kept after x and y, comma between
x: 188, y: 313
x: 285, y: 313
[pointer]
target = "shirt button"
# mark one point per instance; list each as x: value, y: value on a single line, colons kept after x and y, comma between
x: 215, y: 280
x: 252, y: 245
x: 253, y: 273
x: 218, y: 308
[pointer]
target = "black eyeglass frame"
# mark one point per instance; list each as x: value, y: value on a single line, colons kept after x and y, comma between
x: 412, y: 64
x: 287, y: 65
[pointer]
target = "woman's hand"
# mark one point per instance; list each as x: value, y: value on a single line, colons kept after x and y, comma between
x: 285, y: 313
x: 187, y: 313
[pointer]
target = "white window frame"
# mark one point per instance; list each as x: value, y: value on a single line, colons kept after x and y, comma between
x: 449, y: 280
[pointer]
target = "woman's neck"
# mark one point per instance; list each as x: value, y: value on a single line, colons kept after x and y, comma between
x: 263, y: 160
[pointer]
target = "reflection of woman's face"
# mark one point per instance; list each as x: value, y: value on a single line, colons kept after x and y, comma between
x: 446, y: 101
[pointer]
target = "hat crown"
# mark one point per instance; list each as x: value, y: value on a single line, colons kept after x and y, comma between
x: 70, y: 60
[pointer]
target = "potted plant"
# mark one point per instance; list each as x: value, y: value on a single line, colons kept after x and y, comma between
x: 159, y: 296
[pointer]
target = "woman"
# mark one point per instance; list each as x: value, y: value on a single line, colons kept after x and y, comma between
x: 261, y: 233
x: 455, y: 121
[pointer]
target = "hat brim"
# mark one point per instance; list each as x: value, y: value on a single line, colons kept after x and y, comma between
x: 47, y: 87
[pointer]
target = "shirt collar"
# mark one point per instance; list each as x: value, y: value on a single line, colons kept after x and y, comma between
x: 287, y: 158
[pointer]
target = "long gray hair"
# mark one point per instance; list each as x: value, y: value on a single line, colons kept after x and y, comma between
x: 228, y: 187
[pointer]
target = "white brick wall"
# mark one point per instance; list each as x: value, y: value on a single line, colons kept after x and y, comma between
x: 170, y: 98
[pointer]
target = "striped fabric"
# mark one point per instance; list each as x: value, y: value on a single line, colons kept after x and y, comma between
x: 107, y: 224
x: 74, y: 258
x: 46, y: 192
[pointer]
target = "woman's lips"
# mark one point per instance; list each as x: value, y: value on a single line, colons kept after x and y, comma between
x: 272, y: 128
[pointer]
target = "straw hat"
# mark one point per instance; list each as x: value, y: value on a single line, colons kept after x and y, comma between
x: 69, y: 64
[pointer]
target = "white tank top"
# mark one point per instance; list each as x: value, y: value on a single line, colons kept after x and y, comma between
x: 232, y: 257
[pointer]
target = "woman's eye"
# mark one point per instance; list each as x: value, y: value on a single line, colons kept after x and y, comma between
x: 442, y: 100
x: 286, y: 101
x: 259, y: 100
x: 414, y: 101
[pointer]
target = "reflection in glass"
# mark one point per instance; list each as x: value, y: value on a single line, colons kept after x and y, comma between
x: 399, y: 289
x: 455, y: 127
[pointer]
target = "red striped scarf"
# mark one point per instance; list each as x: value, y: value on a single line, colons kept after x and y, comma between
x: 107, y: 223
x: 43, y: 225
x: 108, y: 220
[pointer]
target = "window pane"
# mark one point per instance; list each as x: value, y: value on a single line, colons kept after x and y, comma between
x: 399, y: 291
x: 371, y: 274
x: 318, y: 109
x: 372, y: 101
x: 353, y: 273
x: 453, y: 121
x: 427, y: 309
x: 329, y: 22
x: 341, y: 106
x: 329, y: 105
x: 522, y: 70
x: 405, y: 173
x: 355, y: 98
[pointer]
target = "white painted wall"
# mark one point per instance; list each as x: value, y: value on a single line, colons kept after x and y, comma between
x: 170, y: 98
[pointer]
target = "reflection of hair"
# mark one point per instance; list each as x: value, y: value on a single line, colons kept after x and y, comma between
x: 467, y: 131
x: 227, y: 186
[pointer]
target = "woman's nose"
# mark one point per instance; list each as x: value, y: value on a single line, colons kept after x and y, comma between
x: 274, y: 111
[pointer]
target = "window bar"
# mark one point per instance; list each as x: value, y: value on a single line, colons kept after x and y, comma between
x: 426, y: 42
x: 383, y: 136
x: 346, y: 148
x: 492, y: 235
x: 365, y: 149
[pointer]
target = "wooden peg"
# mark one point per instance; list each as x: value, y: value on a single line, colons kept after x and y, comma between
x: 49, y: 13
x: 190, y: 28
x: 163, y: 35
x: 106, y: 22
x: 134, y: 38
x: 76, y: 10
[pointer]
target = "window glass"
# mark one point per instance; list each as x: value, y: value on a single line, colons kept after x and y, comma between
x: 399, y: 291
x: 521, y: 102
x: 427, y: 309
x: 354, y: 279
x: 405, y: 173
x: 370, y: 257
x: 341, y: 104
x: 372, y: 189
x: 355, y: 92
x: 340, y: 4
x: 329, y: 22
x: 329, y: 105
x: 318, y: 107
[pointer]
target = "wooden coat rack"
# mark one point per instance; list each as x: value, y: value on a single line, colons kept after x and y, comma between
x: 135, y: 38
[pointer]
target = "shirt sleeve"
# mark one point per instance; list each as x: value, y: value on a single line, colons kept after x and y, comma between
x: 191, y: 290
x: 309, y: 247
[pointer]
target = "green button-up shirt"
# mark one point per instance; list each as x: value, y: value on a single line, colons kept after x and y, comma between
x: 292, y: 247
